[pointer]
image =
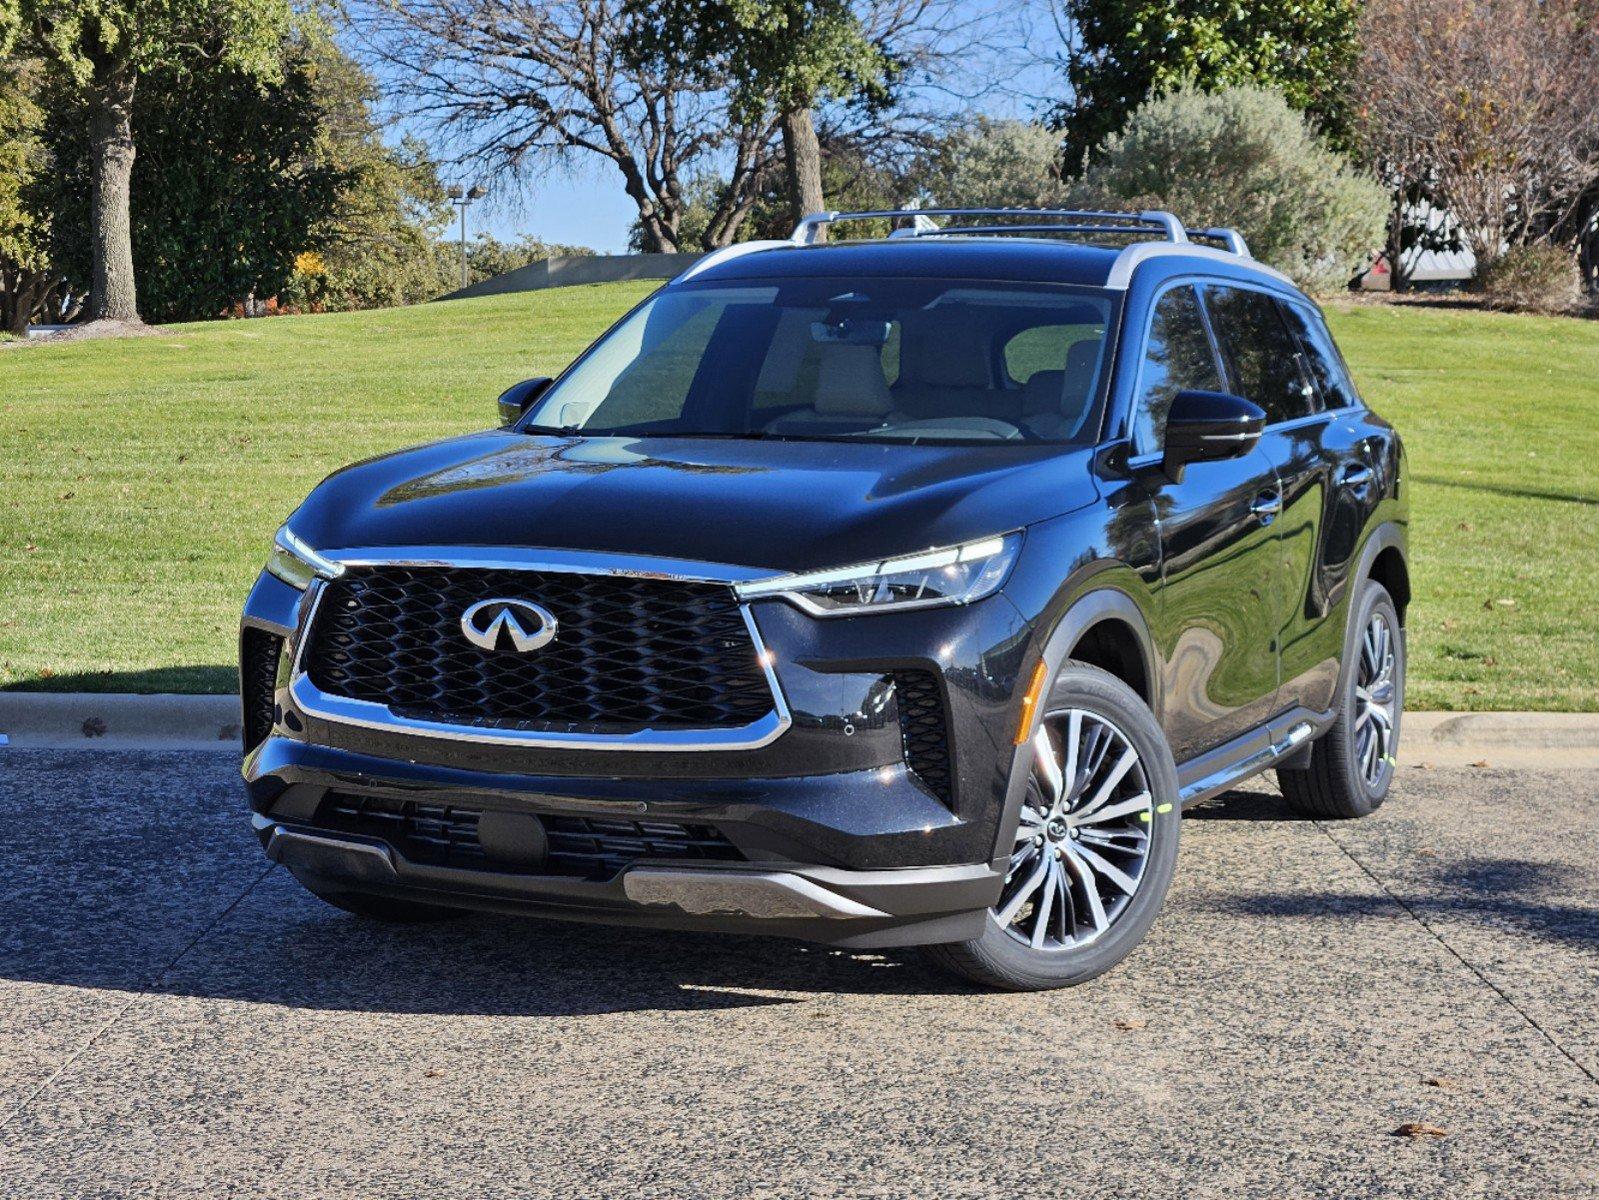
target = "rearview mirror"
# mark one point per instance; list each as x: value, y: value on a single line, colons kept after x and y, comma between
x: 1209, y: 427
x: 519, y: 397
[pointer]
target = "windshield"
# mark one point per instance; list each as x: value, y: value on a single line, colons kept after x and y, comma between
x: 872, y: 359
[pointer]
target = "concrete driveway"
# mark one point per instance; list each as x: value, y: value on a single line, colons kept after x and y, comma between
x: 177, y: 1020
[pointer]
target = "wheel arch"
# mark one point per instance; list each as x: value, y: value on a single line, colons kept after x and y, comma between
x: 1122, y: 630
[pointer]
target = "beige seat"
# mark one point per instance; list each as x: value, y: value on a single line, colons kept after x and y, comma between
x: 851, y: 392
x: 1055, y: 403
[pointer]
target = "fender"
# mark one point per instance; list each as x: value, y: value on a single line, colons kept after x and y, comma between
x: 1390, y: 534
x: 1082, y: 614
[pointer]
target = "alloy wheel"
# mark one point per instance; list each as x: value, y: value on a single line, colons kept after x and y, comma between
x: 1376, y: 698
x: 1084, y: 837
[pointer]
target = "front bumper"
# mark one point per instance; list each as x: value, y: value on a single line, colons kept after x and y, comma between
x: 837, y: 838
x: 823, y: 904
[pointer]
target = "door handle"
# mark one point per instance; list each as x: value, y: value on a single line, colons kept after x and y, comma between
x: 1356, y: 475
x: 1266, y: 506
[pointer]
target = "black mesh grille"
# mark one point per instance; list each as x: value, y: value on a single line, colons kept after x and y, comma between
x: 583, y: 847
x: 258, y: 674
x: 922, y: 725
x: 628, y: 654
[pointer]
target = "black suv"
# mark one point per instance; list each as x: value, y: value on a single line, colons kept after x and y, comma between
x: 883, y: 592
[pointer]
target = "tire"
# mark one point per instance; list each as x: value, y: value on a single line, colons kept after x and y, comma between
x: 1341, y: 781
x: 373, y: 907
x: 1073, y: 946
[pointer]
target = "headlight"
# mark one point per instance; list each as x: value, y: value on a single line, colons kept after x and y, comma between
x: 957, y: 575
x: 297, y: 564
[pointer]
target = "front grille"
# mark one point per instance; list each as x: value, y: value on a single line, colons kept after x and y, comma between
x: 258, y: 677
x: 923, y: 729
x: 629, y: 654
x: 446, y: 835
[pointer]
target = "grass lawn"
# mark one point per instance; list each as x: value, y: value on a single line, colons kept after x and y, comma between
x: 141, y: 479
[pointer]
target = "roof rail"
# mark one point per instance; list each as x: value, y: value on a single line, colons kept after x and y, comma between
x: 1040, y: 220
x: 1229, y: 239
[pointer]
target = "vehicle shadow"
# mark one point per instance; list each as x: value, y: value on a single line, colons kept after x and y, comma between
x: 200, y: 679
x: 1241, y: 805
x: 1520, y: 898
x: 137, y: 872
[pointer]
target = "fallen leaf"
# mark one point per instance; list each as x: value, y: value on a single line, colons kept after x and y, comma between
x: 1482, y: 763
x: 1129, y: 1024
x: 1466, y: 525
x: 94, y: 727
x: 1416, y: 1130
x: 1441, y: 1081
x: 1426, y: 852
x: 433, y: 1073
x: 1424, y: 766
x: 1502, y: 602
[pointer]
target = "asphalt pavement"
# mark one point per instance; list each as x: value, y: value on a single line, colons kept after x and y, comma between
x: 178, y: 1020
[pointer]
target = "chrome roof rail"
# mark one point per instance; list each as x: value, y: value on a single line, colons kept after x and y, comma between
x: 722, y: 254
x: 1230, y: 239
x: 1040, y: 220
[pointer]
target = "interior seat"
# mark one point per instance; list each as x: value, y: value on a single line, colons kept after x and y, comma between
x: 945, y: 370
x: 1055, y: 404
x: 851, y: 393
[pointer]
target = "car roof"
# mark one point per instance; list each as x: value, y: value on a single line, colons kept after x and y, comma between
x: 1004, y: 257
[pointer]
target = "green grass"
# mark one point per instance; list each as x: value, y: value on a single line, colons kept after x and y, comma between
x: 140, y: 480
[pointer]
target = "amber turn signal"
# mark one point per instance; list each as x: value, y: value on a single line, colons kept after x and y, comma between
x: 1035, y: 690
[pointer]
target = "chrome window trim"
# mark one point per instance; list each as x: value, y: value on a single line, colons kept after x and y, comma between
x: 365, y: 714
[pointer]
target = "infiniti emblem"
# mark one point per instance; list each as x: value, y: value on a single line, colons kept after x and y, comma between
x: 529, y: 625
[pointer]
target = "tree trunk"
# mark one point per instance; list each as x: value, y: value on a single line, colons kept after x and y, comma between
x: 111, y: 289
x: 802, y: 157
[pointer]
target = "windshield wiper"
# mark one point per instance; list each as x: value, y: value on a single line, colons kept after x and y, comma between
x: 557, y: 430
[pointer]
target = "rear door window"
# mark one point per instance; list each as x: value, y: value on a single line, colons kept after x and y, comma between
x: 1261, y: 353
x: 1322, y: 357
x: 1177, y: 357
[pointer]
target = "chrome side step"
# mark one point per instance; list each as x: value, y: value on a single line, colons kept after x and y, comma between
x: 1220, y: 781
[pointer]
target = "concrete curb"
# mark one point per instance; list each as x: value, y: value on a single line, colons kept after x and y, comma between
x: 112, y: 721
x: 93, y: 720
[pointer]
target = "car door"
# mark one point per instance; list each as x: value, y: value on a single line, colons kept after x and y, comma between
x: 1266, y: 362
x: 1351, y: 448
x: 1217, y: 612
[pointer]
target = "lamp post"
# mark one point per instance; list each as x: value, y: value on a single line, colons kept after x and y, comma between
x: 462, y: 199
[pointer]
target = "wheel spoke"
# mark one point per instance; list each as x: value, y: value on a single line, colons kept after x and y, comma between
x: 1046, y: 905
x: 1085, y: 879
x: 1124, y: 764
x: 1023, y: 893
x: 1110, y: 812
x: 1048, y: 766
x: 1116, y: 875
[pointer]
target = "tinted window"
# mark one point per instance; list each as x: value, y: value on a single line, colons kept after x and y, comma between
x: 1177, y: 357
x: 1326, y: 365
x: 1044, y: 348
x: 893, y: 359
x: 1264, y: 356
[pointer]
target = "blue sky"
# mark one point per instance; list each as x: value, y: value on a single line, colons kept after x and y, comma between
x: 588, y: 206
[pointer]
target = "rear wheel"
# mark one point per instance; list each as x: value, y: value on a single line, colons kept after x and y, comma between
x: 1095, y: 846
x: 1352, y: 765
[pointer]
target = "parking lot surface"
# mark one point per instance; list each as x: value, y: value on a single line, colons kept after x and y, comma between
x: 181, y: 1020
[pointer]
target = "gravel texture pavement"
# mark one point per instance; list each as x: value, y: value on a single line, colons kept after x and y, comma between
x: 179, y: 1020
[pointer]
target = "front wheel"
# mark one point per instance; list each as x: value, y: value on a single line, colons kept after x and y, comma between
x: 1095, y: 847
x: 1352, y: 765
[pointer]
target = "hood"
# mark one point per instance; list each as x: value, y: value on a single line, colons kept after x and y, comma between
x: 775, y: 505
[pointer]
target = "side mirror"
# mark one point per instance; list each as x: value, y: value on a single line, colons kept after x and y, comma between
x: 1209, y: 427
x: 519, y: 397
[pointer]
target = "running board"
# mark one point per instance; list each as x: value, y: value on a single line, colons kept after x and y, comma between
x: 1220, y: 781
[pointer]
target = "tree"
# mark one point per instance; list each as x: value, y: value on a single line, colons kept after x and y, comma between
x: 1243, y: 158
x: 522, y: 87
x: 227, y: 188
x: 1121, y: 51
x: 103, y: 48
x: 988, y: 163
x: 1487, y: 107
x: 782, y: 55
x: 22, y: 231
